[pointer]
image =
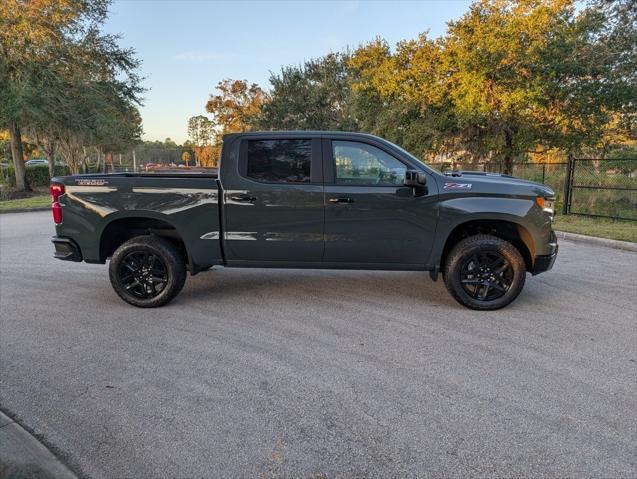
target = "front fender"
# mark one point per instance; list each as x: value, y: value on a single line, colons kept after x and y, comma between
x: 534, y: 227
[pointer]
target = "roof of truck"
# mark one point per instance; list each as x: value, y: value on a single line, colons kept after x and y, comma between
x: 307, y: 133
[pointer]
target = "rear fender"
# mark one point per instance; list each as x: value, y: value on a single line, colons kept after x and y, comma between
x: 192, y: 212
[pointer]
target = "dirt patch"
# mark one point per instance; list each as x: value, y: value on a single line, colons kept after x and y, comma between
x: 11, y: 194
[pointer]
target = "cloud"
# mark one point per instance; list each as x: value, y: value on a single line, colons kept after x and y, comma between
x: 199, y: 56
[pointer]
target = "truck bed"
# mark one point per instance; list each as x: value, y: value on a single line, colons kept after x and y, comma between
x: 172, y: 173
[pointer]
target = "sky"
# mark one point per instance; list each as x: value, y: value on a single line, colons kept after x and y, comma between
x: 187, y: 47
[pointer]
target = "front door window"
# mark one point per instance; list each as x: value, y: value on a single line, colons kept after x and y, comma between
x: 360, y: 164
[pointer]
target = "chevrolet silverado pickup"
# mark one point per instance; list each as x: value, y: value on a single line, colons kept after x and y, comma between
x: 308, y: 200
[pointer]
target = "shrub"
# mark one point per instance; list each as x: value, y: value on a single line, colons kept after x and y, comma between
x: 36, y: 175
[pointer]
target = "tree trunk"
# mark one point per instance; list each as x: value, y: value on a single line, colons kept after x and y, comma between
x: 508, y: 153
x: 50, y: 156
x: 17, y: 154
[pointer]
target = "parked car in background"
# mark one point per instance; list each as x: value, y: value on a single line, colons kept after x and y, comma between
x: 36, y: 162
x: 308, y: 200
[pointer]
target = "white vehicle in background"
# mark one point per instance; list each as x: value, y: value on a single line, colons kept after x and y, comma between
x: 36, y: 162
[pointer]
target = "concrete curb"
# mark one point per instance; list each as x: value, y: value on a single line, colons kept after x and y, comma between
x: 24, y: 210
x: 22, y: 455
x: 609, y: 243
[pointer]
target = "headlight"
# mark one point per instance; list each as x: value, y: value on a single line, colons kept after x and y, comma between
x: 546, y: 204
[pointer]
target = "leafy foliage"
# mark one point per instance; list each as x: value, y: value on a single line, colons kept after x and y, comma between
x: 236, y: 106
x: 205, y: 140
x: 66, y: 83
x: 38, y: 175
x: 509, y: 78
x: 315, y: 95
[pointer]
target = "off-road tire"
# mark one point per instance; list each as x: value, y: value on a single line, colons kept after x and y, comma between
x: 172, y: 260
x: 482, y: 246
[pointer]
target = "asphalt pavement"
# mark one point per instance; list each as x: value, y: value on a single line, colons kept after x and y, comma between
x: 292, y: 373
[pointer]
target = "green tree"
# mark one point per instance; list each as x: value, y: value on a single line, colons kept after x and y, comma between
x: 311, y: 96
x: 201, y: 132
x: 507, y: 76
x: 398, y: 96
x: 237, y: 105
x: 64, y: 80
x: 99, y: 116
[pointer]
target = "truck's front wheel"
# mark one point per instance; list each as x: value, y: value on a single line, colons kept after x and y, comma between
x: 484, y: 272
x: 147, y: 271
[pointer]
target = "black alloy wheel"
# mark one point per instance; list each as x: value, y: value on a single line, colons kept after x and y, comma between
x: 143, y: 274
x: 486, y: 276
x: 148, y: 271
x: 484, y: 272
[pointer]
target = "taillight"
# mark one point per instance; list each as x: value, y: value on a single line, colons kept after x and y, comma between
x: 57, y: 213
x: 57, y: 189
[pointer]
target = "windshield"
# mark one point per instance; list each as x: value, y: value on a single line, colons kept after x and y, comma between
x: 434, y: 167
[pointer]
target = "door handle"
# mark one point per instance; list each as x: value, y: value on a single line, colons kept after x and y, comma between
x: 243, y: 198
x: 341, y: 200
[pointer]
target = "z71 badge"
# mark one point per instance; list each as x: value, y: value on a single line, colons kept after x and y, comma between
x: 90, y: 182
x: 457, y: 186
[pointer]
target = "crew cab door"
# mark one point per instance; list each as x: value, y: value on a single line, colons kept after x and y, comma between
x: 273, y: 200
x: 371, y: 218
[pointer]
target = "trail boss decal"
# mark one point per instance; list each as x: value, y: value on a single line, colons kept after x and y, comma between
x: 457, y: 186
x: 93, y: 182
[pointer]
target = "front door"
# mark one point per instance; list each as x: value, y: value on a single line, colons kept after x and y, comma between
x: 273, y: 202
x: 371, y: 218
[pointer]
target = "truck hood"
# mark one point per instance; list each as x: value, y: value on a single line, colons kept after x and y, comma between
x: 495, y: 183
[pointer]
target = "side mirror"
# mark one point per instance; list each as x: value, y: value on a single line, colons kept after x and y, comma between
x: 415, y: 178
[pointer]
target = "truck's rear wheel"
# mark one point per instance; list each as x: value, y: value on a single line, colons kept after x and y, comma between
x: 147, y: 271
x: 484, y: 272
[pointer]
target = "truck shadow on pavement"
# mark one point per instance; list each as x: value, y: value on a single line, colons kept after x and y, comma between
x: 10, y: 470
x: 388, y: 287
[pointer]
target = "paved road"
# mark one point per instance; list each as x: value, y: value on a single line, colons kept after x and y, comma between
x: 267, y: 373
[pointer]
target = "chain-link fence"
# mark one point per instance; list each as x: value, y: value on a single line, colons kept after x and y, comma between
x: 602, y: 187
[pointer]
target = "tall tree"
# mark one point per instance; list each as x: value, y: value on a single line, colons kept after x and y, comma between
x: 49, y: 49
x: 509, y: 75
x: 494, y: 73
x: 311, y: 96
x: 398, y: 95
x: 100, y: 116
x: 237, y: 105
x: 201, y: 132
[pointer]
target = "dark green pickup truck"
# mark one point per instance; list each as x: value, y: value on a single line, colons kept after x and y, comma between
x: 308, y: 200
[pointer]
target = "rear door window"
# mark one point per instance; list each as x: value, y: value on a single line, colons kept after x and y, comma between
x: 279, y: 161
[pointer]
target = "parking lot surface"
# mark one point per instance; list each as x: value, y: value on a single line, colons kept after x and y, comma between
x: 269, y: 373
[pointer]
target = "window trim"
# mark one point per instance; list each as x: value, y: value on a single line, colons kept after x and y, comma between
x: 330, y: 162
x: 316, y: 167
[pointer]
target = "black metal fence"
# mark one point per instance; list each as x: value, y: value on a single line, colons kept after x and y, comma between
x: 583, y: 186
x: 601, y: 187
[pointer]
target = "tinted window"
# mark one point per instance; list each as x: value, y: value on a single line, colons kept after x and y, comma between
x: 365, y: 165
x: 280, y: 161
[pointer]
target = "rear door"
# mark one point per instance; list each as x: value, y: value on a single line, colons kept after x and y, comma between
x: 274, y: 201
x: 371, y: 218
